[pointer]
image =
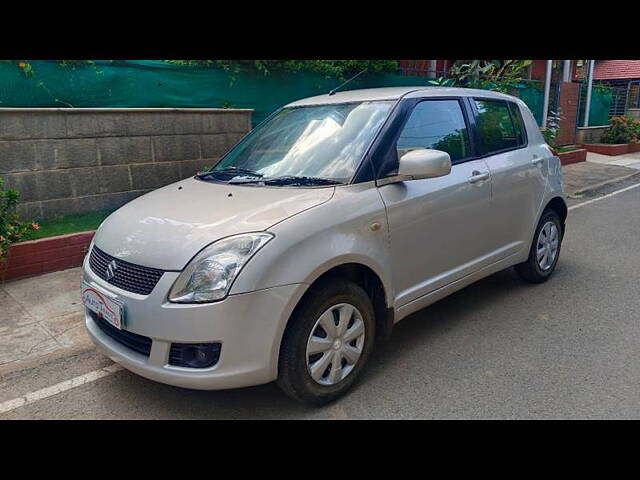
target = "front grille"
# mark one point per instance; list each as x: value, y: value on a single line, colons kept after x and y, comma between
x: 127, y: 276
x: 137, y: 343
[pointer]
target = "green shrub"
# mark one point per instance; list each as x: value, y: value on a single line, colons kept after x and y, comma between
x: 11, y: 228
x: 622, y: 130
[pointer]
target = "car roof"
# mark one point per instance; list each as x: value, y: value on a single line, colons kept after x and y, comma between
x: 396, y: 93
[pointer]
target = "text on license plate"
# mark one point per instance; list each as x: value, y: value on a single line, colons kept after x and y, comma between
x: 101, y: 304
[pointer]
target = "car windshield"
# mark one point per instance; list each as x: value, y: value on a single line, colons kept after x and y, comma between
x: 311, y: 145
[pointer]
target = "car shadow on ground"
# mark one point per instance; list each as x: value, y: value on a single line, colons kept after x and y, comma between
x: 267, y: 401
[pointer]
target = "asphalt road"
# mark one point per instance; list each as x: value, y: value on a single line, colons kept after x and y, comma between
x: 569, y: 348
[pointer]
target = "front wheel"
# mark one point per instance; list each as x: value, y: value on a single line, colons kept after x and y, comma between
x: 545, y: 250
x: 327, y: 343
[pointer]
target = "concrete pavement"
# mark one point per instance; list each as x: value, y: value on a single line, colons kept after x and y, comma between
x: 40, y: 319
x: 569, y: 348
x: 584, y: 178
x: 629, y: 160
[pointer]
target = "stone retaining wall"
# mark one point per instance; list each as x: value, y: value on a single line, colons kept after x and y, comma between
x: 590, y: 134
x: 633, y: 112
x: 73, y: 160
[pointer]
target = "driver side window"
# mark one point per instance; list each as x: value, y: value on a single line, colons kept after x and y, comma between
x: 437, y: 125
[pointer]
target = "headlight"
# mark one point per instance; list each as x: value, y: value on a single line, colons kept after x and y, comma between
x: 210, y: 274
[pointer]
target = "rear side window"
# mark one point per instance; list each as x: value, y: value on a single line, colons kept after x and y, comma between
x: 499, y: 127
x: 517, y: 121
x: 438, y: 125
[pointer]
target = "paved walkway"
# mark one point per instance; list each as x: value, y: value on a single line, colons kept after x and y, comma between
x: 630, y: 160
x: 41, y: 317
x: 584, y: 177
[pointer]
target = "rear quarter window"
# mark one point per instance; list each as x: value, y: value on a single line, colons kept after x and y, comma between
x: 499, y: 125
x: 516, y: 116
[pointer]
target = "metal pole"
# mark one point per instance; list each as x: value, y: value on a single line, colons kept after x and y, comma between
x: 587, y: 104
x: 432, y: 69
x: 628, y: 97
x: 566, y: 71
x: 547, y: 88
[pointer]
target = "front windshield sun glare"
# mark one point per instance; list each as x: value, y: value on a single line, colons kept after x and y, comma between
x: 319, y: 143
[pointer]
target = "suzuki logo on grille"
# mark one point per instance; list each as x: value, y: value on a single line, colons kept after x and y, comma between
x: 111, y: 270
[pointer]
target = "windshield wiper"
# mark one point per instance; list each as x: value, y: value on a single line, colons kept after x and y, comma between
x: 231, y: 171
x: 294, y: 180
x: 236, y: 175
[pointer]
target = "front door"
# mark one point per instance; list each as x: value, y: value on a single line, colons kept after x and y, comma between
x: 436, y: 225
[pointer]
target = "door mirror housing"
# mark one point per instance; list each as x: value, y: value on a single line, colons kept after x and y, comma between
x: 420, y: 163
x: 425, y: 163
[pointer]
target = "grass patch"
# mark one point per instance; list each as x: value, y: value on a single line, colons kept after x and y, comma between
x: 77, y: 222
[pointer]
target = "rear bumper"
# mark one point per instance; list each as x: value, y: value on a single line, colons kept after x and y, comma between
x: 249, y: 326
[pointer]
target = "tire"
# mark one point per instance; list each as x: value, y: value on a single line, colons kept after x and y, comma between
x: 330, y: 300
x: 531, y: 271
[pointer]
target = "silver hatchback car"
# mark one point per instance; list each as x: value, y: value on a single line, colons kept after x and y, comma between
x: 331, y: 221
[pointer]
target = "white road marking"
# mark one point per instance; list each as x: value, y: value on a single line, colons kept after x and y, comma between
x: 58, y: 388
x: 604, y: 196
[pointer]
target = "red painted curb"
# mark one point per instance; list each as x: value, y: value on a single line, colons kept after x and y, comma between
x: 575, y: 156
x: 35, y: 257
x: 634, y: 147
x: 606, y: 149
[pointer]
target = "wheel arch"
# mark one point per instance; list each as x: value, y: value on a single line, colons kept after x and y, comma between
x: 363, y: 275
x: 558, y: 205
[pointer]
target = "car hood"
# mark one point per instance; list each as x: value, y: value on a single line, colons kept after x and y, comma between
x: 165, y: 228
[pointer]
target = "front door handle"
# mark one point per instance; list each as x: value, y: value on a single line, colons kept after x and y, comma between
x: 477, y: 176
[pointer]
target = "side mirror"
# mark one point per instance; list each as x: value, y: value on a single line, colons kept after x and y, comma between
x: 424, y: 163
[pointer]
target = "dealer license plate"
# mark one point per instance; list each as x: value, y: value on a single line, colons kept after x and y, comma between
x: 105, y: 306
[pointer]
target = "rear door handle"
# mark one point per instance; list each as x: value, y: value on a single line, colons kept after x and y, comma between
x: 537, y: 160
x: 477, y: 176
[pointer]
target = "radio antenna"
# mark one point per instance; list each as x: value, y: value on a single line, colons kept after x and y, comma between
x: 343, y: 84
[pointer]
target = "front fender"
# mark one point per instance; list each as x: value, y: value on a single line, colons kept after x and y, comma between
x: 332, y: 234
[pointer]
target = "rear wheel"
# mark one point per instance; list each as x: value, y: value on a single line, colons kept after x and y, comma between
x: 545, y: 250
x: 327, y: 343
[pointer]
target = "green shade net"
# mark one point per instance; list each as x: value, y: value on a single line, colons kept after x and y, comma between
x: 599, y: 110
x: 534, y: 98
x: 151, y: 83
x: 147, y: 83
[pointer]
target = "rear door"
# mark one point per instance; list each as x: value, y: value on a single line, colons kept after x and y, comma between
x: 518, y: 178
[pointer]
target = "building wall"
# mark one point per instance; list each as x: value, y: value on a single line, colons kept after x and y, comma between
x: 78, y: 160
x: 422, y: 68
x: 539, y: 69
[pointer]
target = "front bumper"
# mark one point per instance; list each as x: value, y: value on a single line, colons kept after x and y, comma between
x: 249, y: 326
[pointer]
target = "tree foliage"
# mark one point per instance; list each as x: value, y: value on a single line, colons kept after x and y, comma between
x: 340, y: 69
x: 499, y: 75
